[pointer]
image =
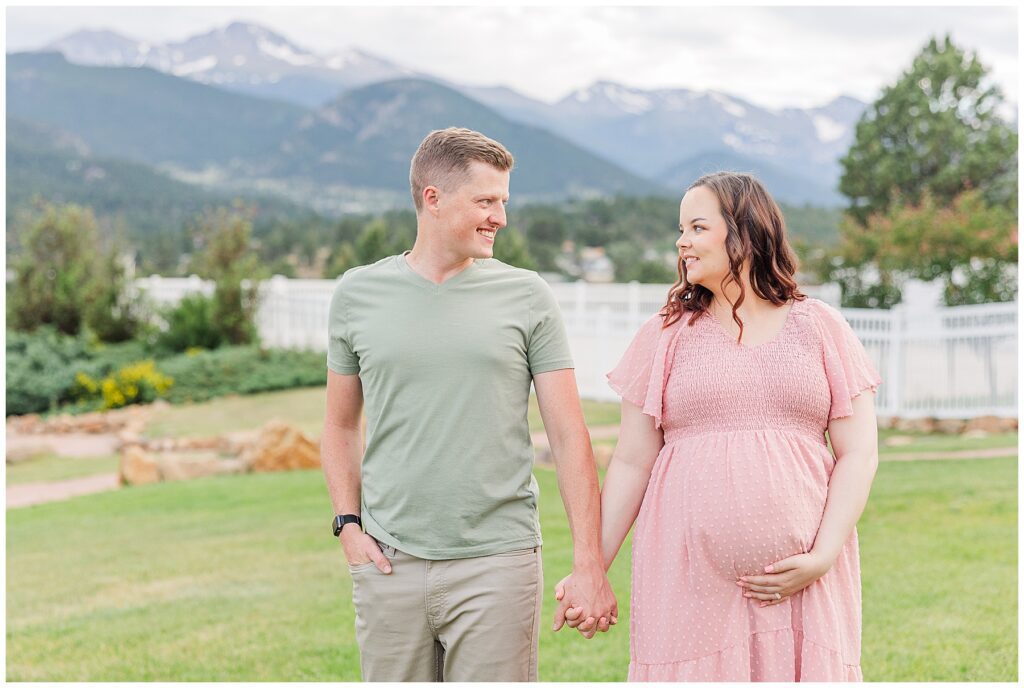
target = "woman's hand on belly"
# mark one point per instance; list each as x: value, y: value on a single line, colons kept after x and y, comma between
x: 785, y: 578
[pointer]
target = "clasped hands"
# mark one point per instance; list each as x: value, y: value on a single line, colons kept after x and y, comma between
x: 586, y: 602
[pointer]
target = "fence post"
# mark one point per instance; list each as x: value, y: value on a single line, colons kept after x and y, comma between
x: 634, y: 305
x: 581, y: 304
x: 897, y: 330
x: 279, y: 316
x: 604, y: 328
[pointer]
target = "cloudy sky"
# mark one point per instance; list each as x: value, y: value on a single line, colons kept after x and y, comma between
x: 772, y: 56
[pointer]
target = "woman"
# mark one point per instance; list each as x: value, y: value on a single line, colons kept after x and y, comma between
x: 745, y: 561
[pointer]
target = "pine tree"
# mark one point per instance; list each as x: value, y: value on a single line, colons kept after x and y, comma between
x: 937, y: 128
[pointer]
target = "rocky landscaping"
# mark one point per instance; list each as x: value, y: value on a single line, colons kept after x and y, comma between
x: 278, y: 446
x: 972, y: 427
x: 282, y: 446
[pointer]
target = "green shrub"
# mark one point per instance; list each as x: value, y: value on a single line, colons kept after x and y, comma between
x: 55, y: 269
x: 241, y: 370
x: 114, y: 313
x: 41, y: 369
x: 49, y: 371
x: 191, y: 324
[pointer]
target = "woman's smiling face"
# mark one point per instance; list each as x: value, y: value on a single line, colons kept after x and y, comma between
x: 702, y: 235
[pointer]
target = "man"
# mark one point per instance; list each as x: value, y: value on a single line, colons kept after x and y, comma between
x: 438, y: 515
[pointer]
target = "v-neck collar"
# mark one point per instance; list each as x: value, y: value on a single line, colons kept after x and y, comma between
x: 422, y: 282
x: 718, y: 325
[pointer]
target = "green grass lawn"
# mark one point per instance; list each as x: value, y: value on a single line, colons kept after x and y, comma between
x: 938, y: 544
x: 51, y: 467
x: 303, y: 407
x: 238, y: 579
x: 941, y: 443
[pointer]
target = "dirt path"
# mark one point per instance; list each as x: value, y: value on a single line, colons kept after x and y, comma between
x: 27, y: 494
x: 76, y: 445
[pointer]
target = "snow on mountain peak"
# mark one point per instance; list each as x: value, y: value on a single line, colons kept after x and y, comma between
x: 633, y: 102
x: 284, y: 52
x: 729, y: 105
x: 195, y: 66
x: 827, y: 129
x: 345, y: 59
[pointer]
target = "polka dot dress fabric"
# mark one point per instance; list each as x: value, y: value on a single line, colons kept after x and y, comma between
x: 740, y: 483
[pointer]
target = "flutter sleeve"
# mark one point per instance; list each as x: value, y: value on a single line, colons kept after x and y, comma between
x: 847, y: 366
x: 640, y: 376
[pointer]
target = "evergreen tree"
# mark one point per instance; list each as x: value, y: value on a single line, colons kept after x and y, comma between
x: 58, y: 262
x: 937, y: 129
x: 228, y: 258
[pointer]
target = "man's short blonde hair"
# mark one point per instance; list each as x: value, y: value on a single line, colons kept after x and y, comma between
x: 443, y: 158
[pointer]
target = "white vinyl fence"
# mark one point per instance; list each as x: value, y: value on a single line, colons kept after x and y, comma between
x: 940, y: 362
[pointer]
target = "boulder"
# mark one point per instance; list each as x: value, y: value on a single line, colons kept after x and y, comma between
x: 199, y: 443
x: 281, y: 447
x: 950, y: 426
x: 188, y: 465
x: 991, y: 424
x: 129, y: 437
x: 91, y: 423
x: 232, y: 466
x: 25, y: 425
x: 138, y: 467
x: 237, y: 442
x: 925, y: 425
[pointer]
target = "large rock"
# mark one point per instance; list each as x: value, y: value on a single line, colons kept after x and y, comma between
x: 128, y: 437
x: 199, y: 443
x: 281, y: 447
x: 991, y: 424
x: 238, y: 441
x: 950, y: 426
x: 138, y: 467
x: 232, y: 466
x: 93, y: 423
x: 188, y: 465
x: 25, y: 425
x: 925, y: 425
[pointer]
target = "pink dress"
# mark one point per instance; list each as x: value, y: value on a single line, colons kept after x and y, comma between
x: 741, y: 483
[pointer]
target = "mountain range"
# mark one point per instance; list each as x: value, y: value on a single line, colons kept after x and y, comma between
x: 349, y: 154
x: 242, y: 107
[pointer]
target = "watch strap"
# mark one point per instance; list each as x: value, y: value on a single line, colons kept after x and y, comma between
x: 342, y: 520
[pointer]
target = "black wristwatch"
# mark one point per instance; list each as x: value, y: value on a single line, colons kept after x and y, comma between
x: 341, y: 520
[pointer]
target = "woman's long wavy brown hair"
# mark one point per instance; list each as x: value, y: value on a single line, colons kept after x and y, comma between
x: 756, y: 231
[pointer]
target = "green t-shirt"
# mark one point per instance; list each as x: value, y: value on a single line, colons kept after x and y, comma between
x: 446, y: 369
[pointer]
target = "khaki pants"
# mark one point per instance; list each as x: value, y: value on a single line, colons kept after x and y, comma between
x: 471, y: 619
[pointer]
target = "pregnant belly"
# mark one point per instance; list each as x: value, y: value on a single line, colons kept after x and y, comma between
x: 741, y: 536
x: 736, y: 514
